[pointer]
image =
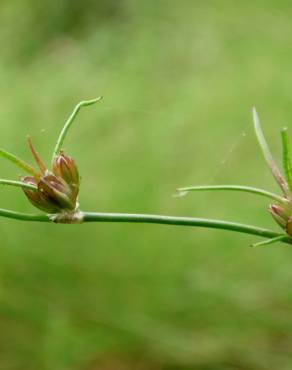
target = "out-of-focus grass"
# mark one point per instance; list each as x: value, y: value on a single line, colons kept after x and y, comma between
x: 179, y: 80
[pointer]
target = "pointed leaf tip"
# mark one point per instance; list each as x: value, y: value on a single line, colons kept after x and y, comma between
x: 180, y: 193
x: 69, y: 122
x: 36, y: 155
x: 255, y: 114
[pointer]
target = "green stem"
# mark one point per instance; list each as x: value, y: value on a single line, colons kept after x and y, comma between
x: 248, y: 189
x: 18, y: 184
x: 23, y: 216
x: 182, y: 221
x: 179, y: 221
x: 267, y: 153
x: 155, y: 219
x: 286, y: 157
x: 69, y: 122
x: 18, y: 162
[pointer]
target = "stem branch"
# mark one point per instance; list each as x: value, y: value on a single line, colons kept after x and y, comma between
x: 248, y: 189
x: 18, y: 184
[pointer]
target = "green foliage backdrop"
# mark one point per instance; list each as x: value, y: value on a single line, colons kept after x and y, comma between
x: 179, y: 80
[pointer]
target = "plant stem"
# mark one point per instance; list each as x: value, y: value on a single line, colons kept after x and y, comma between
x: 248, y: 189
x: 23, y: 216
x: 179, y: 221
x: 69, y: 122
x: 156, y: 219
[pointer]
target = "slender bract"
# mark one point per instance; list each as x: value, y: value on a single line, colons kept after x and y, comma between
x: 36, y: 156
x: 18, y: 162
x: 267, y: 153
x: 286, y: 157
x: 241, y: 188
x: 269, y: 241
x: 18, y: 184
x: 69, y: 122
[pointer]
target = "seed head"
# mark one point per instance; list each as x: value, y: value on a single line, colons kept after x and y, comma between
x: 56, y: 190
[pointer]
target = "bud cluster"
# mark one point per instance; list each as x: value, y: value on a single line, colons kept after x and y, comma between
x: 56, y: 190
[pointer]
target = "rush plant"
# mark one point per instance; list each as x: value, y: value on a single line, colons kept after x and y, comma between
x: 55, y: 189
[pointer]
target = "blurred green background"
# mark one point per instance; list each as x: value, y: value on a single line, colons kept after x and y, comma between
x: 179, y: 79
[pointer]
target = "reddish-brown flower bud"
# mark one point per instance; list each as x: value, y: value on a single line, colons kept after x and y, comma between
x: 283, y: 216
x: 279, y: 214
x: 65, y: 168
x: 56, y: 191
x: 36, y: 197
x: 53, y: 194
